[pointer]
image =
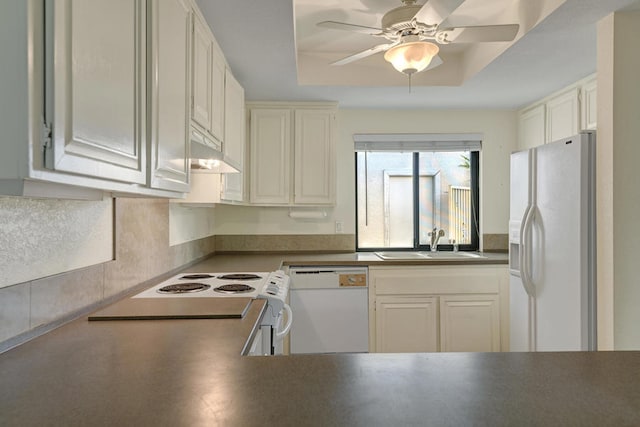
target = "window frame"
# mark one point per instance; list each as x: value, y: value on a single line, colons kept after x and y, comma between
x: 474, y: 169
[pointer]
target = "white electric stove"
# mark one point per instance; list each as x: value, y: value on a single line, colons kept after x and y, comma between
x: 272, y: 287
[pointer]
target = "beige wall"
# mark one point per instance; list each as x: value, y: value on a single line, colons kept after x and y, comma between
x: 618, y: 151
x: 500, y: 134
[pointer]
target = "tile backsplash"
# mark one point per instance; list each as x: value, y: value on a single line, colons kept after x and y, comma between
x: 495, y: 242
x: 142, y: 253
x: 256, y: 243
x: 45, y: 237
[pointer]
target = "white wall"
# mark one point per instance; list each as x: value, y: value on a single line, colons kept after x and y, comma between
x: 618, y: 197
x: 500, y: 136
x: 189, y: 223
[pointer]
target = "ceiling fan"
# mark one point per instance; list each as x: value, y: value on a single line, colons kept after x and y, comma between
x: 414, y: 33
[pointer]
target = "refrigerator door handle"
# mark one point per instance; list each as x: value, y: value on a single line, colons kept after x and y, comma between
x: 521, y: 252
x: 525, y: 252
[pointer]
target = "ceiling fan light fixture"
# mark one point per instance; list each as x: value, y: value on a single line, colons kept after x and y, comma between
x: 412, y: 57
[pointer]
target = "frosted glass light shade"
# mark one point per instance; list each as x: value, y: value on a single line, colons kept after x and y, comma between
x: 413, y: 57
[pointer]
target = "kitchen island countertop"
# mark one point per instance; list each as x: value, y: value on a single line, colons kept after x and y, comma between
x: 190, y: 373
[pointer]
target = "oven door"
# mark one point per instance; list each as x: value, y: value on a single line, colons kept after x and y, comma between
x: 274, y: 331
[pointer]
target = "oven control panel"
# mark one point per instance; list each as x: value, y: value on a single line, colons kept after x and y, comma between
x: 276, y: 285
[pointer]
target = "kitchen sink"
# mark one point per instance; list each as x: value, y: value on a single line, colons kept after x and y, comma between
x: 393, y: 255
x: 451, y: 255
x: 411, y: 255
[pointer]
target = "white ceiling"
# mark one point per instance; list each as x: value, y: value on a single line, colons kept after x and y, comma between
x: 258, y: 39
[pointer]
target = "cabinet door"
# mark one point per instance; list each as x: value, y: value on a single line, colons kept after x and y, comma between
x: 406, y: 324
x: 201, y: 81
x: 563, y: 116
x: 234, y: 139
x: 170, y: 22
x: 218, y: 70
x: 270, y: 156
x: 531, y: 128
x: 96, y: 88
x: 314, y: 165
x: 469, y: 323
x: 589, y: 105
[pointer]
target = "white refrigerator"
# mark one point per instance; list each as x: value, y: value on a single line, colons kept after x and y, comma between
x: 552, y: 247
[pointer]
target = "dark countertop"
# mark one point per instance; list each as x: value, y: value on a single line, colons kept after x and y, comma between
x: 371, y: 259
x: 190, y: 373
x: 268, y: 262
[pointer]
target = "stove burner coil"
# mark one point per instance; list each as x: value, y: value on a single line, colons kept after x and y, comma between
x: 197, y: 276
x: 234, y: 288
x: 240, y: 276
x: 183, y: 288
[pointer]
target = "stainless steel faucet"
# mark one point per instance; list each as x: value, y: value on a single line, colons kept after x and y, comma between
x: 435, y: 235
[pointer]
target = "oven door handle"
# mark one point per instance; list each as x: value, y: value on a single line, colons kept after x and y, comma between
x: 281, y: 334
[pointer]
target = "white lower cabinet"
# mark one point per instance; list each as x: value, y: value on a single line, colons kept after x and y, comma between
x: 438, y: 308
x: 406, y: 325
x: 469, y: 323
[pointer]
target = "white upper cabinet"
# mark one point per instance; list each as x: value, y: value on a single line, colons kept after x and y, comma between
x: 314, y: 150
x: 531, y: 127
x: 96, y: 89
x: 563, y: 116
x: 292, y: 154
x: 208, y: 77
x: 218, y: 72
x: 99, y: 98
x: 217, y: 119
x: 201, y: 111
x: 234, y: 139
x: 270, y: 156
x: 170, y: 24
x: 588, y: 96
x: 559, y: 115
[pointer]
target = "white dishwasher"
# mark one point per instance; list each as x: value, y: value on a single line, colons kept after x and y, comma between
x: 330, y: 305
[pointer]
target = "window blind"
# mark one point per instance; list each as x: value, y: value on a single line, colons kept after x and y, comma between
x: 418, y: 142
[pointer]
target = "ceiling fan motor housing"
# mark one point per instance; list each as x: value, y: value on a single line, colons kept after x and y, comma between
x: 398, y: 16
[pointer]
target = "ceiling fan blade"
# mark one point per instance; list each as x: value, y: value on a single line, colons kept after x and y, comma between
x: 434, y: 63
x: 435, y: 11
x: 343, y: 26
x: 364, y: 54
x: 482, y: 33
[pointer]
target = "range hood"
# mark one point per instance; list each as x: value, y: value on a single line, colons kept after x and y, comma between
x: 207, y: 156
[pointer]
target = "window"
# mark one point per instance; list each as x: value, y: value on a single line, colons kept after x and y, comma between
x: 406, y: 190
